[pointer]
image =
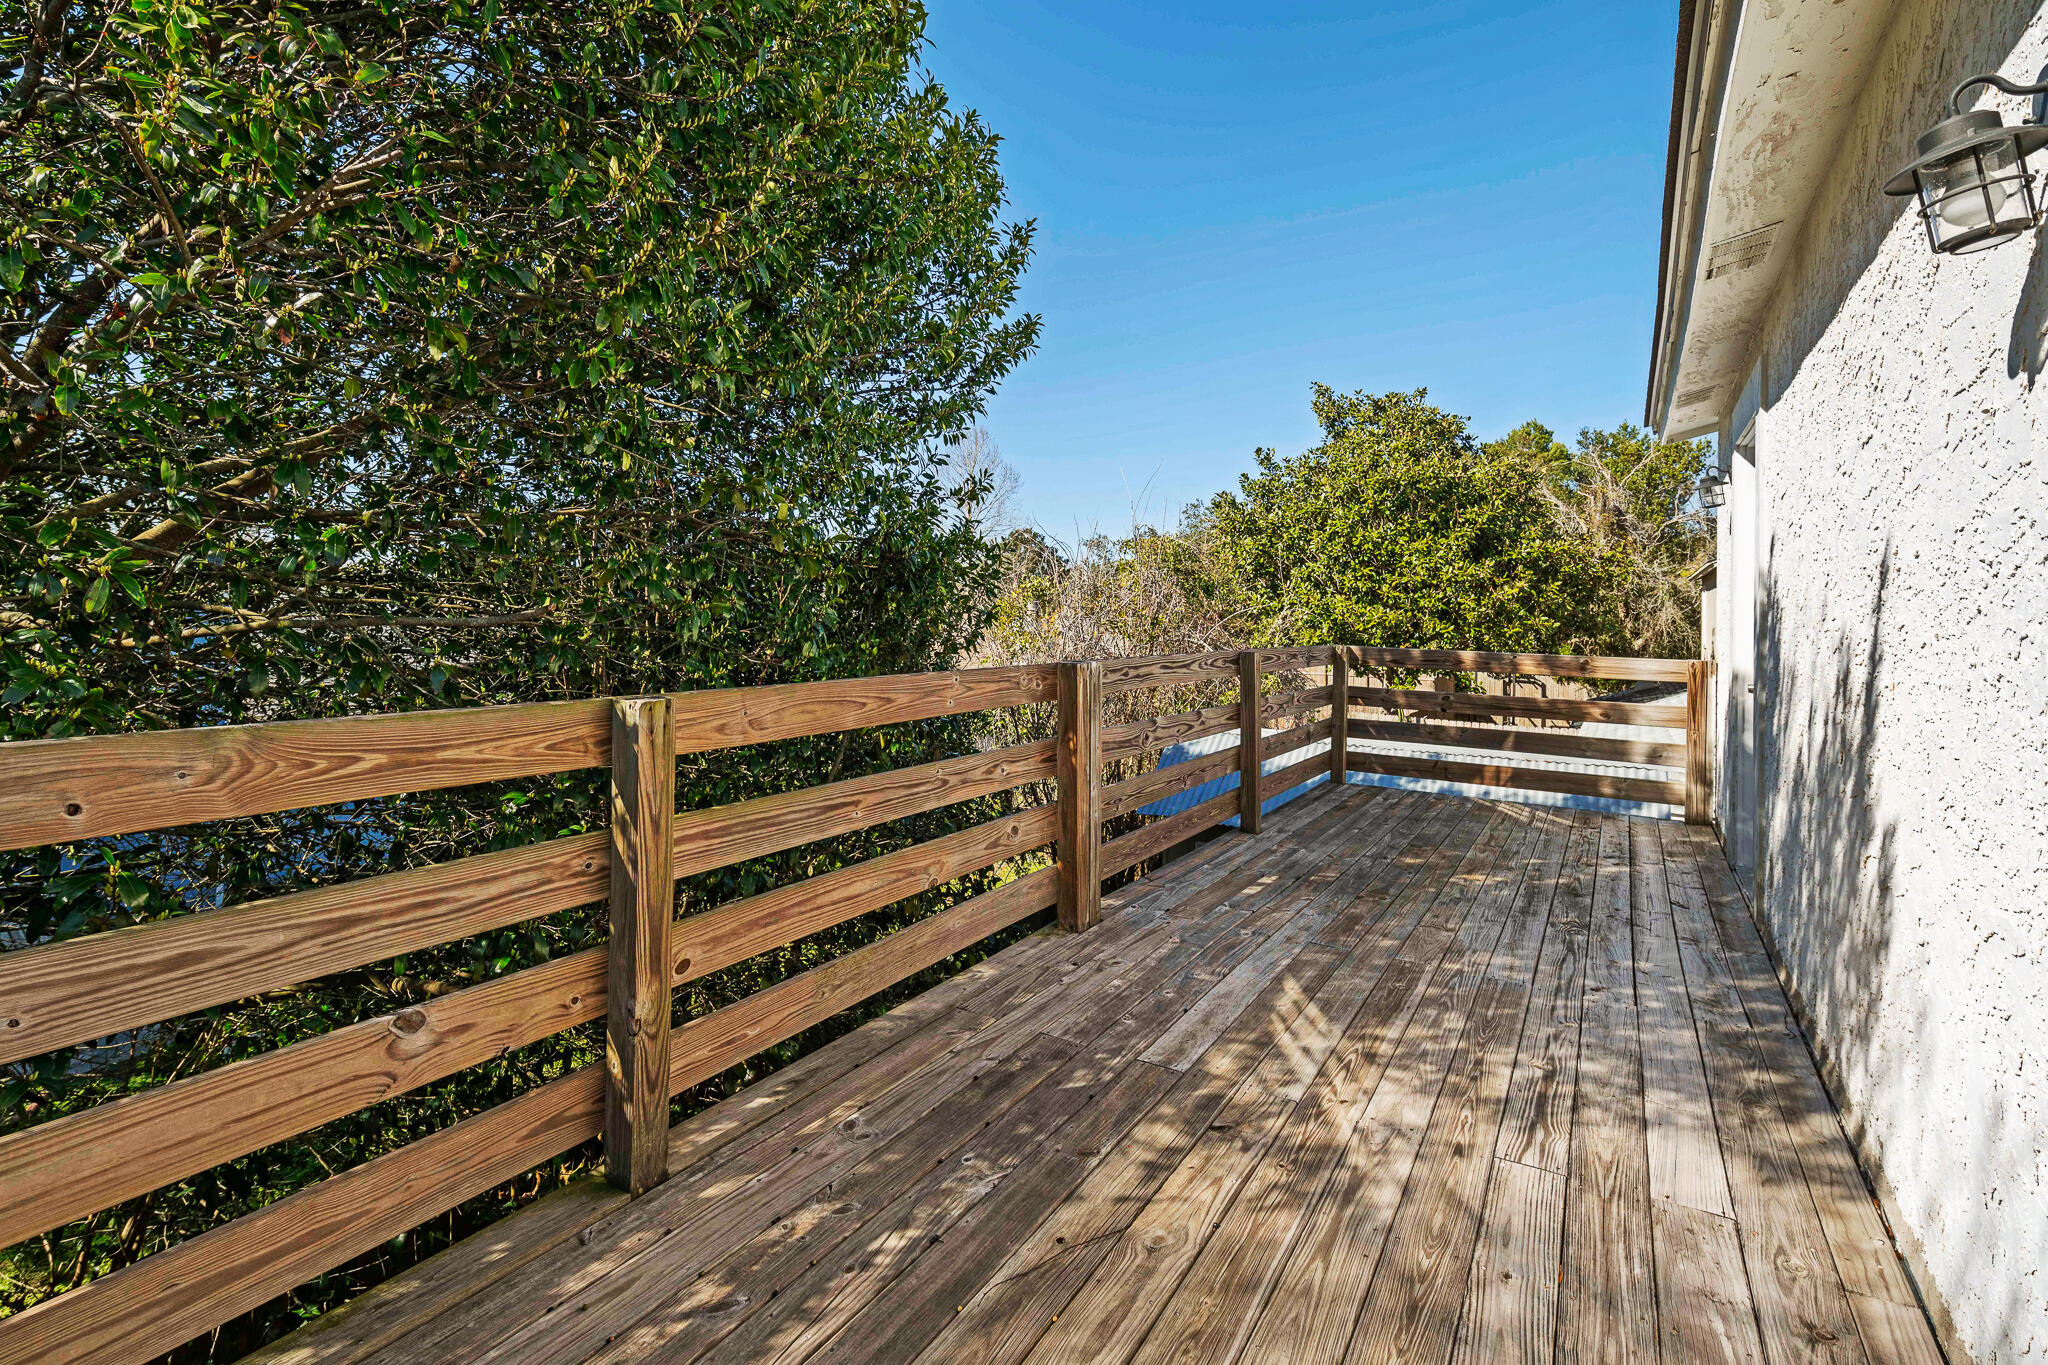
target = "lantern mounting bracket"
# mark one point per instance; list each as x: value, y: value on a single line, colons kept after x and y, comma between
x: 2039, y: 90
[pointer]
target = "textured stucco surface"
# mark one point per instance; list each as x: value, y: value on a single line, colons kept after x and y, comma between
x: 1902, y: 683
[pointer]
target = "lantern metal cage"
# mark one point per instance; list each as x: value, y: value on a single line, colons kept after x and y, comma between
x: 1971, y: 177
x: 1713, y: 490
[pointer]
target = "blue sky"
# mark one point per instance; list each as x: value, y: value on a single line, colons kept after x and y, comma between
x: 1235, y: 200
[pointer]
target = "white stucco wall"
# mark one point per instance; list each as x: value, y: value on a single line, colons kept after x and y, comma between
x: 1902, y: 681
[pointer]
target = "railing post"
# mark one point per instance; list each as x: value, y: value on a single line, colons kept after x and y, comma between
x: 1699, y: 756
x: 1248, y: 708
x: 1080, y: 783
x: 637, y: 975
x: 1340, y: 714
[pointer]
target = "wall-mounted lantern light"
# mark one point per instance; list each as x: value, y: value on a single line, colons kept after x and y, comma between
x: 1713, y: 490
x: 1971, y: 175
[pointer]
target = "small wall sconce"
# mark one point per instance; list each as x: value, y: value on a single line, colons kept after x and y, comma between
x: 1713, y: 490
x: 1971, y: 175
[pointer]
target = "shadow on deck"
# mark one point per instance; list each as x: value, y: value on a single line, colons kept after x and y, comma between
x: 1404, y: 1077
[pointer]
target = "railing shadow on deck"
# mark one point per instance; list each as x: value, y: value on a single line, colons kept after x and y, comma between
x: 59, y: 994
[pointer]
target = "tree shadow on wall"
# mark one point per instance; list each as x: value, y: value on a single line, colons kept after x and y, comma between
x: 1829, y: 857
x: 1829, y: 911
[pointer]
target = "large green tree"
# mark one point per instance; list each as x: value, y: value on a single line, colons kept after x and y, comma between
x: 1399, y: 528
x: 423, y: 352
x: 365, y: 347
x: 1629, y: 502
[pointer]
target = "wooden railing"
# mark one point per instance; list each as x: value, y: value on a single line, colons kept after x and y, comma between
x: 1453, y: 719
x: 64, y: 993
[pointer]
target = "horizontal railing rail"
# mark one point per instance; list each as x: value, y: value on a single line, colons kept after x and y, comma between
x: 1424, y: 722
x: 61, y: 994
x: 1524, y: 665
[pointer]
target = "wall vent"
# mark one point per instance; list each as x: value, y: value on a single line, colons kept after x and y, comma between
x: 1739, y: 253
x: 1694, y: 397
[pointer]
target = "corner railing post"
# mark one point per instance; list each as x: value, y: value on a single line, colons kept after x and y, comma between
x: 1079, y: 770
x: 1699, y: 755
x: 1248, y: 733
x: 637, y: 974
x: 1340, y: 713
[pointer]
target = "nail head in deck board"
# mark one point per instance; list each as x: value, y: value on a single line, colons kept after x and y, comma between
x: 1703, y: 1302
x: 1510, y: 1312
x: 1466, y: 705
x: 62, y: 789
x: 643, y: 801
x: 1248, y: 794
x: 1079, y: 763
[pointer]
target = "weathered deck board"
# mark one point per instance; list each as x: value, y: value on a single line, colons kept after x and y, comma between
x: 1685, y: 1159
x: 1608, y: 1306
x: 1403, y: 1078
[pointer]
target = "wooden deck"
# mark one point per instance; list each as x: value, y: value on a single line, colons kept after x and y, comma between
x: 1404, y: 1078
